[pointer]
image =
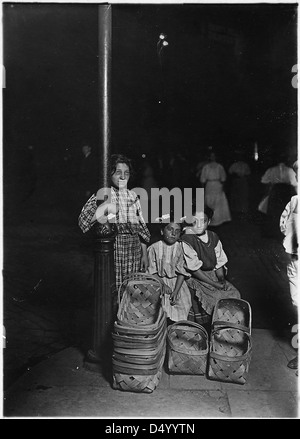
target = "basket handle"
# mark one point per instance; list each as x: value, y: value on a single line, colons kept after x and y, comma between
x: 137, y: 276
x: 190, y: 323
x: 186, y: 323
x: 227, y: 324
x: 213, y: 354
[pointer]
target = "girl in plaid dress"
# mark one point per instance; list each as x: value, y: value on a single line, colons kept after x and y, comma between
x: 130, y: 248
x: 167, y: 263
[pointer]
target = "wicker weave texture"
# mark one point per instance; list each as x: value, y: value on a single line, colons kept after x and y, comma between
x: 187, y: 348
x: 139, y: 335
x: 230, y: 348
x: 236, y: 311
x: 233, y: 372
x: 140, y: 300
x: 134, y: 382
x: 230, y: 355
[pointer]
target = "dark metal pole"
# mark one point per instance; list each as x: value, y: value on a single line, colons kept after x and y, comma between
x: 104, y: 53
x: 104, y: 274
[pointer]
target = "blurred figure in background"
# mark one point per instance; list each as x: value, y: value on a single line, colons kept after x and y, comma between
x: 213, y: 177
x: 281, y: 186
x: 202, y: 161
x: 289, y: 228
x: 239, y: 172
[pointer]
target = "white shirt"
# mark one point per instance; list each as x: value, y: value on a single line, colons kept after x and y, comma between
x: 280, y: 174
x: 289, y: 226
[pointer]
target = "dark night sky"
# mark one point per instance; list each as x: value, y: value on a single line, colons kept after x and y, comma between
x: 225, y: 77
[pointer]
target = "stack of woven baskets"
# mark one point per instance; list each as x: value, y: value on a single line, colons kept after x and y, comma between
x: 139, y: 335
x: 230, y: 345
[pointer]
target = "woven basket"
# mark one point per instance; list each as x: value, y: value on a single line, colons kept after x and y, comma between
x: 187, y: 348
x: 131, y: 364
x: 230, y: 348
x: 133, y: 382
x: 229, y: 355
x: 236, y: 311
x: 139, y: 334
x: 141, y: 352
x: 134, y: 340
x: 143, y: 331
x: 139, y: 299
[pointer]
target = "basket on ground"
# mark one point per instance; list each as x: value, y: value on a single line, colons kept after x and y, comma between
x: 230, y: 345
x: 187, y: 348
x: 139, y: 335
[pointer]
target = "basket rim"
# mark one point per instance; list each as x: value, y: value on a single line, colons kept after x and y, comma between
x: 143, y: 329
x: 136, y: 276
x: 193, y: 326
x: 236, y: 300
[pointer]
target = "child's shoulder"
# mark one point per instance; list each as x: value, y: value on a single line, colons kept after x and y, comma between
x: 213, y: 236
x: 188, y: 237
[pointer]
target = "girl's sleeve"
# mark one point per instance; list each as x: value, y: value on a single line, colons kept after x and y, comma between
x: 180, y: 263
x: 191, y: 260
x: 220, y: 255
x: 87, y: 213
x: 152, y: 268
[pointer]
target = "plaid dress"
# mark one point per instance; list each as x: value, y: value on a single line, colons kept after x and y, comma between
x: 131, y: 228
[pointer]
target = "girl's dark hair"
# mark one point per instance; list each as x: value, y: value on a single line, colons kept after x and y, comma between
x: 162, y: 224
x: 120, y: 158
x: 207, y: 210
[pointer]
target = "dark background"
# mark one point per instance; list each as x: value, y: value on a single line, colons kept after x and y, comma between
x: 225, y: 79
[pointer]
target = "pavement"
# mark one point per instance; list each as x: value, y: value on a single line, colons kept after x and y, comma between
x: 62, y: 387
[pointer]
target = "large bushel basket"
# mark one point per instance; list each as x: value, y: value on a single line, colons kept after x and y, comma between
x: 139, y: 335
x: 187, y: 348
x: 230, y: 344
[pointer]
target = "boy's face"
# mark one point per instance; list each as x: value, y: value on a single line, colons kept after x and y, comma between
x: 200, y: 223
x: 171, y: 233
